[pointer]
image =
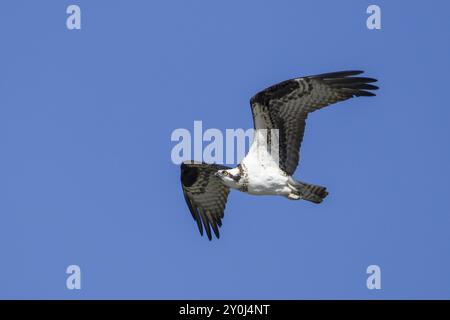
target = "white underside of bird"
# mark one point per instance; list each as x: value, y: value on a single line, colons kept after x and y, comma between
x: 264, y: 176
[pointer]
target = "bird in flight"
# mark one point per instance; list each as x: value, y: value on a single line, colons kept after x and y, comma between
x: 279, y: 117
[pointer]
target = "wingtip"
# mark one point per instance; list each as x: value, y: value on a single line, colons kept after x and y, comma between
x: 337, y: 74
x: 355, y: 86
x: 210, y: 237
x: 370, y: 80
x: 201, y: 231
x: 363, y: 93
x: 354, y: 72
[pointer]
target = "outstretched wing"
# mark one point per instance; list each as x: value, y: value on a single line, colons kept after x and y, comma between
x: 286, y: 105
x: 205, y: 194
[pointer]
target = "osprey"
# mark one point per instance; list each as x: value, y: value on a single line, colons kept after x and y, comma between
x: 279, y: 117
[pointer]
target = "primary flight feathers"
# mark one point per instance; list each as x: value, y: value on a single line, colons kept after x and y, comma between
x: 285, y: 107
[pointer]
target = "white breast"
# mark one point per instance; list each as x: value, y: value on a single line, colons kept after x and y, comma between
x: 264, y: 174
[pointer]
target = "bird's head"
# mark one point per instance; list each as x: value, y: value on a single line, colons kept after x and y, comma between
x: 230, y: 177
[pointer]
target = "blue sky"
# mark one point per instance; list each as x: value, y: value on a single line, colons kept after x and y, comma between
x: 86, y: 175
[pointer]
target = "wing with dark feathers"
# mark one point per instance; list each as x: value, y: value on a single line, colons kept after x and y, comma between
x: 205, y: 195
x: 286, y: 105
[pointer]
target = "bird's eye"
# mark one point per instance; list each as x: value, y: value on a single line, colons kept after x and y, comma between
x: 225, y: 173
